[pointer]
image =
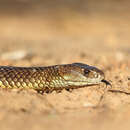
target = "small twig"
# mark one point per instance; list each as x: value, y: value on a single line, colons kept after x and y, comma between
x: 119, y: 91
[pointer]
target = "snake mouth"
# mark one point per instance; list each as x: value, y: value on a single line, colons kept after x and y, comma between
x: 83, y: 83
x: 106, y: 82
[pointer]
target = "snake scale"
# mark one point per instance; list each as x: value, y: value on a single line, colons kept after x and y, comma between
x: 47, y: 79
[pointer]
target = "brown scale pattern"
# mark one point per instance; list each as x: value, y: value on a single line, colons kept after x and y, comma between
x: 38, y: 78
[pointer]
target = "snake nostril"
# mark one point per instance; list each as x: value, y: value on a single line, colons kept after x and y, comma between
x: 97, y: 75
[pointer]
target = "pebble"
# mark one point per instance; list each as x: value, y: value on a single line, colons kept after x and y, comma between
x: 15, y: 55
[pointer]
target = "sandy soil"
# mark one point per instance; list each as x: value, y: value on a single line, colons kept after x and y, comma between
x: 98, y: 38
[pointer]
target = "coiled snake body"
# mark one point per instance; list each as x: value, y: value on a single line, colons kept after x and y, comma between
x: 47, y: 79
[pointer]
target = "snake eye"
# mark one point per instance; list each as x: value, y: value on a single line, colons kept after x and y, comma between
x: 86, y: 71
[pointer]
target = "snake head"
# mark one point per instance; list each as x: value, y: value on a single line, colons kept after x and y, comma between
x: 79, y: 74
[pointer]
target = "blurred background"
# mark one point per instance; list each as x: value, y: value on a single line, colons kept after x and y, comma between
x: 48, y: 32
x: 69, y: 28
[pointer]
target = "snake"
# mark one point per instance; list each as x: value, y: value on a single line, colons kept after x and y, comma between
x: 50, y: 78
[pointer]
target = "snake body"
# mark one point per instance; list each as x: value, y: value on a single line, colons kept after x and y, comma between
x: 47, y: 79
